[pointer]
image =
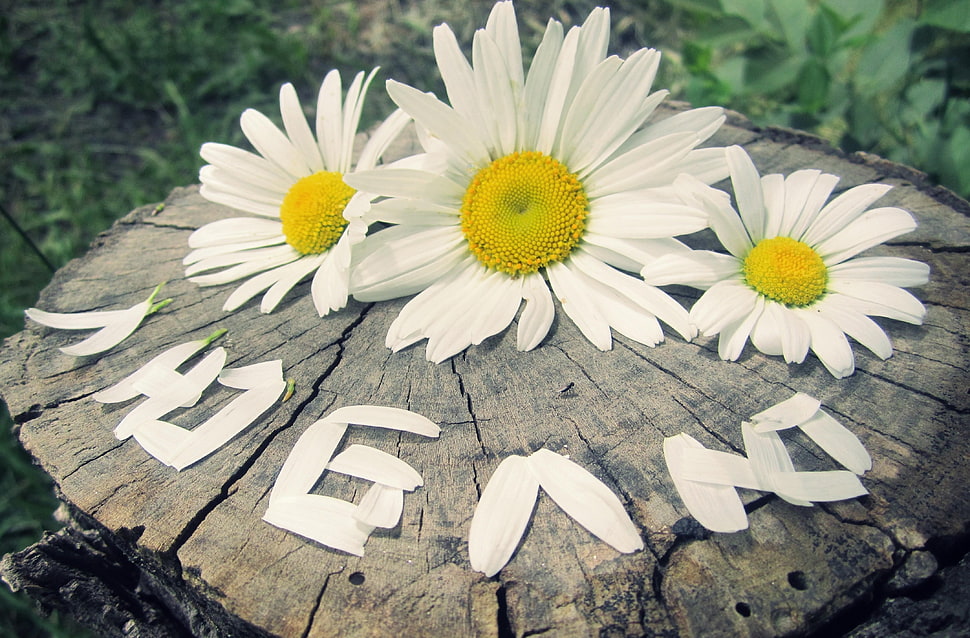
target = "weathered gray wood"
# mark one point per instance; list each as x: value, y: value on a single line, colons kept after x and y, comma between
x: 196, y: 540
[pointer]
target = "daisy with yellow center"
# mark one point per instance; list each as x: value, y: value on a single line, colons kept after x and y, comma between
x: 308, y: 218
x: 792, y: 281
x: 555, y: 172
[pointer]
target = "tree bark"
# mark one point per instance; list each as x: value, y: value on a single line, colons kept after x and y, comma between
x: 149, y: 551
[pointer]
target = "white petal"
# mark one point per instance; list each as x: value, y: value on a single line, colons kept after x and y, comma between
x: 308, y: 459
x: 838, y: 441
x: 843, y: 312
x: 329, y: 121
x: 894, y: 271
x: 881, y: 300
x: 578, y: 305
x: 230, y: 420
x: 77, y: 320
x: 170, y: 359
x: 698, y: 268
x: 168, y: 390
x: 647, y: 298
x: 735, y: 334
x: 111, y: 335
x: 626, y: 171
x: 586, y: 499
x: 769, y: 458
x: 442, y: 121
x: 829, y: 344
x: 235, y: 230
x: 716, y: 507
x: 273, y: 143
x: 631, y: 214
x: 381, y: 139
x: 842, y: 211
x: 379, y: 416
x: 502, y: 514
x: 835, y: 485
x: 871, y: 229
x: 160, y: 438
x: 297, y: 128
x: 249, y: 166
x: 327, y: 520
x: 700, y: 465
x: 538, y: 314
x: 724, y: 303
x: 381, y: 506
x: 240, y: 203
x: 747, y: 190
x: 375, y: 465
x: 787, y: 414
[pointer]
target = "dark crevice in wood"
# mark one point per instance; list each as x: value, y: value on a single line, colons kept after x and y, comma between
x: 471, y: 409
x: 502, y: 620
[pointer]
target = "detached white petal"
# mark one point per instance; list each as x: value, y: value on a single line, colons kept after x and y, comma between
x: 769, y: 458
x: 116, y: 325
x: 379, y: 416
x: 787, y: 414
x: 169, y: 360
x: 585, y: 498
x: 381, y: 506
x: 716, y: 507
x: 838, y: 441
x: 376, y: 465
x: 502, y: 514
x: 324, y: 519
x: 308, y: 459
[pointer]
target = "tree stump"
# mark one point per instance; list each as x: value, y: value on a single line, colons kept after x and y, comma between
x: 149, y: 551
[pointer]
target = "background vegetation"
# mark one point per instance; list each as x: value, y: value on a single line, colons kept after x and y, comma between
x: 106, y: 103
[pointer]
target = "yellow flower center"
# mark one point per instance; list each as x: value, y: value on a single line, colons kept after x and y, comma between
x: 786, y: 270
x: 312, y: 212
x: 522, y: 212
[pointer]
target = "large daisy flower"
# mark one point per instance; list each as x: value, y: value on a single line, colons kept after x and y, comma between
x: 305, y: 221
x: 792, y: 281
x: 552, y: 173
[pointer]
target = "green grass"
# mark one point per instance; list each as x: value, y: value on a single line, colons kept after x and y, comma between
x: 106, y: 104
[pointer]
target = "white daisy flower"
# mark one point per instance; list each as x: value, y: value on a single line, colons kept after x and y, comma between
x: 791, y: 281
x: 306, y: 212
x: 115, y: 325
x: 552, y: 172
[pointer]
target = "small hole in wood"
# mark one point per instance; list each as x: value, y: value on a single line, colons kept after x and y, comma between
x: 797, y: 580
x: 743, y: 608
x: 357, y: 578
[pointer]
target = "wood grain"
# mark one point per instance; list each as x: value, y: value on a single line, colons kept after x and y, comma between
x: 170, y: 553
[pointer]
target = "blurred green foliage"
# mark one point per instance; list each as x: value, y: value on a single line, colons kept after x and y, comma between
x: 105, y: 105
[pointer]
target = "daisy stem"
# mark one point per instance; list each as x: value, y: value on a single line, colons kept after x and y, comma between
x: 215, y: 335
x: 155, y: 307
x: 290, y: 389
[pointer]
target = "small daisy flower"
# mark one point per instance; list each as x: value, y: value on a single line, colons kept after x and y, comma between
x: 555, y: 172
x: 792, y: 281
x: 295, y: 186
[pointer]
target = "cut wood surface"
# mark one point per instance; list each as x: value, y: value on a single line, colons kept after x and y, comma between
x: 150, y: 551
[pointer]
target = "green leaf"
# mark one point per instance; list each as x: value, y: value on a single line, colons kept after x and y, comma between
x: 823, y: 35
x: 884, y: 63
x: 813, y: 86
x: 751, y: 11
x: 947, y: 14
x: 793, y: 18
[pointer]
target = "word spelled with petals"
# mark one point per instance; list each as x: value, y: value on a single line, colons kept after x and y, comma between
x: 116, y: 325
x: 332, y: 521
x: 506, y: 505
x: 706, y: 479
x: 168, y: 390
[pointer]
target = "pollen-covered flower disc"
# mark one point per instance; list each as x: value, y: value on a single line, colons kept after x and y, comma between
x: 555, y: 177
x: 792, y: 281
x: 307, y: 217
